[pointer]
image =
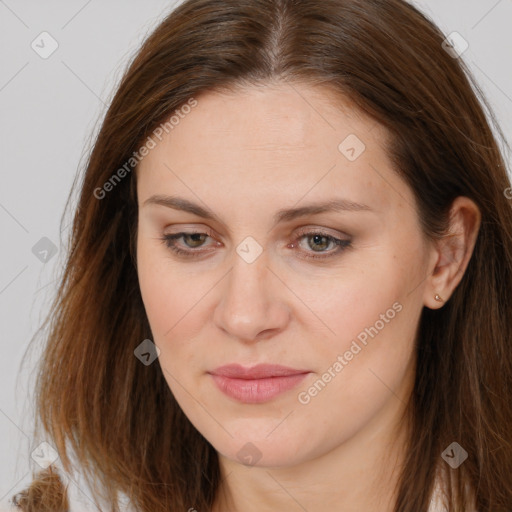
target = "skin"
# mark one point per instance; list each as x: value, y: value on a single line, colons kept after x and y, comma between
x: 245, y: 155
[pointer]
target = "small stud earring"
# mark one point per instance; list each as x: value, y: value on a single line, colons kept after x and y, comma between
x: 438, y: 298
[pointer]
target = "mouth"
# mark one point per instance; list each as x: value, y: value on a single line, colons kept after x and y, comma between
x: 257, y: 384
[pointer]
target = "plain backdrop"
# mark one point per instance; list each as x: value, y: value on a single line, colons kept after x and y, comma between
x: 50, y: 108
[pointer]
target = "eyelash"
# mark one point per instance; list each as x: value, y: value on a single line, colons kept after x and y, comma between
x: 170, y: 241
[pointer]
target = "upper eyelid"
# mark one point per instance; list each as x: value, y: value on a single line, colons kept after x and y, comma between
x: 297, y: 232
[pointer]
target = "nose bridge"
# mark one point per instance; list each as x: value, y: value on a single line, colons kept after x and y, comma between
x: 251, y: 300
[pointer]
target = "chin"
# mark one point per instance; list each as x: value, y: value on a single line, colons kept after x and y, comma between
x: 265, y: 451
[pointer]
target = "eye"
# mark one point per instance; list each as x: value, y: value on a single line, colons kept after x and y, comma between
x: 321, y: 241
x: 192, y: 240
x: 314, y: 240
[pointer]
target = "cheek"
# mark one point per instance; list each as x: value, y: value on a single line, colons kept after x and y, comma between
x: 377, y: 330
x: 165, y: 305
x: 371, y: 321
x: 355, y: 300
x: 158, y: 295
x: 171, y: 295
x: 363, y: 373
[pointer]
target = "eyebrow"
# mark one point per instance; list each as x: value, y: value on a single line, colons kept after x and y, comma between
x: 284, y: 215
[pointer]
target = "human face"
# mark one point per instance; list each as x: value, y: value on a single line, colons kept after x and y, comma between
x: 304, y: 302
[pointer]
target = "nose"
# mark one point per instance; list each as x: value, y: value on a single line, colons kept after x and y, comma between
x: 252, y: 304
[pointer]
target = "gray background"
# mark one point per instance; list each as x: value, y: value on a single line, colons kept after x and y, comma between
x: 49, y: 111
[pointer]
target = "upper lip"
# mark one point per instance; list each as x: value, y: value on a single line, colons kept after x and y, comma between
x: 260, y: 371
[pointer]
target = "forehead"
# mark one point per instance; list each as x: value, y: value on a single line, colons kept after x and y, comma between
x: 281, y: 141
x: 278, y: 116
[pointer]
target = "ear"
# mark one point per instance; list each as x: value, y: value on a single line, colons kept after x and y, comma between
x: 451, y: 253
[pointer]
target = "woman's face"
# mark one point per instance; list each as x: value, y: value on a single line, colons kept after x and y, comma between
x: 269, y: 274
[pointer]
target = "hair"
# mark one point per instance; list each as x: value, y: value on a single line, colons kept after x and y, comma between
x: 98, y: 403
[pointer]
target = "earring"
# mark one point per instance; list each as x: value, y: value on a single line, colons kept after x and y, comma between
x: 438, y: 298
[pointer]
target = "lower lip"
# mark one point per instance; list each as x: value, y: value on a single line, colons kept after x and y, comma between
x: 255, y: 391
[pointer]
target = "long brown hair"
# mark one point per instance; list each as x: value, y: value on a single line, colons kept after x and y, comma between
x: 98, y: 402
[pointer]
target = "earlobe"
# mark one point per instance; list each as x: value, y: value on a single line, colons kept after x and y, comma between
x: 435, y: 301
x: 453, y: 252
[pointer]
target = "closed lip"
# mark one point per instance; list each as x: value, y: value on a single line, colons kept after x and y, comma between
x: 260, y: 371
